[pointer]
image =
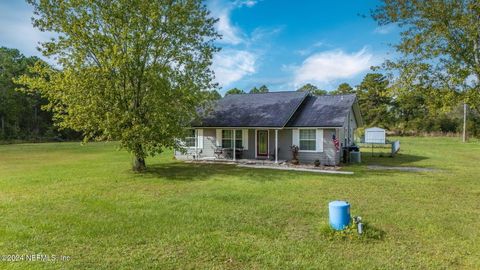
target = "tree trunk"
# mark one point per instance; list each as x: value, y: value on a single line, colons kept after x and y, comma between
x: 3, y: 125
x: 36, y: 129
x: 138, y: 164
x: 138, y: 159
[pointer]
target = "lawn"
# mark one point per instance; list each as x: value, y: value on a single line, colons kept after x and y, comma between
x: 65, y: 199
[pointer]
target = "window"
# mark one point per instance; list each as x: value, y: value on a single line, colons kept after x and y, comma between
x: 308, y: 139
x: 238, y: 138
x: 190, y: 139
x: 227, y: 138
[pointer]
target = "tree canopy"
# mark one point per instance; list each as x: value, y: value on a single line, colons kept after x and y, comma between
x: 343, y: 89
x: 374, y: 100
x: 20, y: 114
x: 439, y: 46
x: 234, y: 91
x: 261, y: 89
x: 312, y: 89
x: 214, y: 95
x: 132, y: 71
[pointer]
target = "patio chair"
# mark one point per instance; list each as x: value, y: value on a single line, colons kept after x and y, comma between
x: 239, y: 153
x: 193, y: 155
x: 227, y: 153
x: 218, y: 152
x: 272, y: 154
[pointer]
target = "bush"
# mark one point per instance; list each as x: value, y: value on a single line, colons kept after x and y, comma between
x: 370, y: 233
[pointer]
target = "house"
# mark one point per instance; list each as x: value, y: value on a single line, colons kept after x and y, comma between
x: 266, y: 125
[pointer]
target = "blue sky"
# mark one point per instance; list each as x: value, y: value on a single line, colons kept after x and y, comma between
x: 279, y: 43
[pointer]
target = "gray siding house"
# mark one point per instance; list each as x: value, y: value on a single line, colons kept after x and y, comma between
x: 265, y: 126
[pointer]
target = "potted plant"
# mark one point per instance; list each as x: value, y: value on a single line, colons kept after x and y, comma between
x: 317, y: 163
x: 294, y: 150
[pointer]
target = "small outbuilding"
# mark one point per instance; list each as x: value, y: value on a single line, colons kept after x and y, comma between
x: 375, y: 135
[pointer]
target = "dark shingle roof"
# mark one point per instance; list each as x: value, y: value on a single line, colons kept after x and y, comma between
x: 272, y: 109
x: 323, y: 111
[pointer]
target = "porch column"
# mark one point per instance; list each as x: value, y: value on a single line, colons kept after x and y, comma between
x: 234, y: 154
x: 276, y: 145
x: 196, y: 144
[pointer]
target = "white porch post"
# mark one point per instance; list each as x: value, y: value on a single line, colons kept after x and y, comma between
x: 276, y: 145
x: 234, y: 137
x: 196, y: 143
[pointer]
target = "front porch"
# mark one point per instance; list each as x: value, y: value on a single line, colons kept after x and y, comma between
x: 265, y: 144
x: 272, y: 164
x: 242, y: 144
x: 232, y: 144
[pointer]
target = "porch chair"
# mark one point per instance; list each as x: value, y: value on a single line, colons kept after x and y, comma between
x: 218, y: 152
x: 272, y: 154
x: 191, y: 153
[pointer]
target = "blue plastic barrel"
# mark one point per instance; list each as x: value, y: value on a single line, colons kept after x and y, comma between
x: 339, y: 214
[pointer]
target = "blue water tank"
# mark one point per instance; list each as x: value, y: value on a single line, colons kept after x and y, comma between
x: 339, y: 214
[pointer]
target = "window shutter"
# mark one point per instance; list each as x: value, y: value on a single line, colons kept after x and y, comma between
x: 295, y: 137
x: 245, y: 139
x: 219, y: 138
x: 200, y: 138
x: 319, y: 140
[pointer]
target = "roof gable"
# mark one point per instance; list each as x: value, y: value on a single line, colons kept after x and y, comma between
x: 323, y: 111
x: 272, y: 109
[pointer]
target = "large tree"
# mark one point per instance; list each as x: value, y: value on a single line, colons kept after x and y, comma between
x: 375, y: 100
x: 439, y: 46
x: 132, y: 71
x: 343, y: 89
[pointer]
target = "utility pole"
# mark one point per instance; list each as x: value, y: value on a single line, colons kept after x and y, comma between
x: 464, y: 122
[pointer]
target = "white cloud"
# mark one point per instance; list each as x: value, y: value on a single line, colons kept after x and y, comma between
x: 231, y: 34
x: 17, y: 30
x: 313, y: 47
x: 260, y: 34
x: 232, y: 65
x: 384, y: 29
x: 241, y: 51
x: 248, y: 3
x: 328, y: 66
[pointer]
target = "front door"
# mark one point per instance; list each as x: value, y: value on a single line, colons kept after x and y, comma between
x: 262, y: 143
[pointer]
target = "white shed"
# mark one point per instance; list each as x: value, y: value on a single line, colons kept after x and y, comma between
x: 375, y: 135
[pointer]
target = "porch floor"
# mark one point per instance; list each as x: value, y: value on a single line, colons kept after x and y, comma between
x: 270, y: 164
x: 238, y: 161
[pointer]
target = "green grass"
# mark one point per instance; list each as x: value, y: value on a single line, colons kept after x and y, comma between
x: 84, y: 202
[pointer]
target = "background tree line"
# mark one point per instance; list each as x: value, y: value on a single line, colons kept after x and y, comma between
x: 21, y: 114
x: 383, y: 103
x: 436, y: 72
